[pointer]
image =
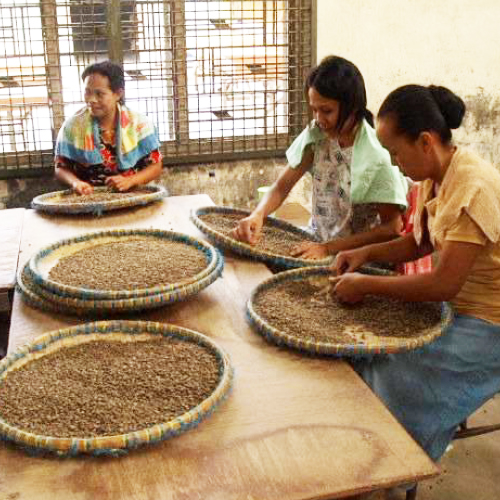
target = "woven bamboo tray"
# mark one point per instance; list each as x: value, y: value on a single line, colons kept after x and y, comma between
x: 45, y: 259
x: 371, y: 344
x: 119, y: 331
x: 54, y: 202
x: 46, y: 300
x: 225, y: 242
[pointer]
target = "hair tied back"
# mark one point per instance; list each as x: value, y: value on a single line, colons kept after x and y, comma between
x: 451, y: 106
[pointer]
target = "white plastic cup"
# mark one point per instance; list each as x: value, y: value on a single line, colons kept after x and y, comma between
x: 261, y: 192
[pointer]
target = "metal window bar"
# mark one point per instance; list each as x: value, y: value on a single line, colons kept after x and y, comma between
x: 220, y: 79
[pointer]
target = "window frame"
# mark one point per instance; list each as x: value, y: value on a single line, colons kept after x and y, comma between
x: 181, y: 149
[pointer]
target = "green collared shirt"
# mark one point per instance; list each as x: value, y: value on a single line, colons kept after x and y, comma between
x: 373, y: 178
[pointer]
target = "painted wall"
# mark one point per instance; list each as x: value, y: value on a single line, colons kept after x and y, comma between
x: 455, y: 43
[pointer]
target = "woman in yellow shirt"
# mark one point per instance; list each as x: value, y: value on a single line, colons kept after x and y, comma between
x: 433, y: 389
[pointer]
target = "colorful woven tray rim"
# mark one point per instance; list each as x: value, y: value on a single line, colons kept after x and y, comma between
x: 210, y: 252
x: 42, y: 202
x: 122, y: 442
x: 45, y: 300
x: 326, y: 348
x: 247, y: 250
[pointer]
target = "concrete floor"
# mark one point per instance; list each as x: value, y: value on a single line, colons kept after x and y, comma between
x: 468, y: 470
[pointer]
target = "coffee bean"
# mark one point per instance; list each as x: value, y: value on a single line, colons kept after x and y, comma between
x: 125, y: 264
x: 302, y: 309
x: 274, y: 239
x: 106, y: 388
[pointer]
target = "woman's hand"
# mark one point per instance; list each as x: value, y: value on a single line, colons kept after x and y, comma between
x: 349, y: 260
x: 82, y: 187
x: 349, y: 287
x: 249, y: 229
x: 120, y: 183
x: 310, y: 250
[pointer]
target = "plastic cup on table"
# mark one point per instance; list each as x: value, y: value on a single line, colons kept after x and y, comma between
x: 262, y: 191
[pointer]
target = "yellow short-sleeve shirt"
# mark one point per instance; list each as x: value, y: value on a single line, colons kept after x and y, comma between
x: 467, y: 209
x: 480, y: 295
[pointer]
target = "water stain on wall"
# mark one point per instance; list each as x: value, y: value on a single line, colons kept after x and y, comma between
x: 483, y: 110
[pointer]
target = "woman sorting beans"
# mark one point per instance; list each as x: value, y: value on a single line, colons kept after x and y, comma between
x: 433, y: 389
x: 358, y: 196
x: 106, y: 143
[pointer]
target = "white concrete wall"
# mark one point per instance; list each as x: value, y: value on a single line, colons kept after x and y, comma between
x: 455, y: 43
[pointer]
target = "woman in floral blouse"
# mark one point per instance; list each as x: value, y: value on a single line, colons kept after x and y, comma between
x: 106, y: 143
x: 358, y: 196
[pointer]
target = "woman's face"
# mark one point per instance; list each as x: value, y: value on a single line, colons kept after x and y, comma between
x: 99, y: 97
x: 325, y: 111
x: 412, y: 157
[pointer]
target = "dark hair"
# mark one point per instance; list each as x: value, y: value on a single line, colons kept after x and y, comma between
x: 417, y: 109
x: 113, y: 71
x: 339, y: 79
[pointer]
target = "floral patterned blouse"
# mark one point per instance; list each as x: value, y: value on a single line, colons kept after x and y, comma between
x: 333, y: 214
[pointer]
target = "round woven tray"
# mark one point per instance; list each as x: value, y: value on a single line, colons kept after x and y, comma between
x: 46, y: 300
x: 54, y: 202
x: 223, y: 241
x: 42, y: 262
x: 119, y: 331
x: 371, y: 344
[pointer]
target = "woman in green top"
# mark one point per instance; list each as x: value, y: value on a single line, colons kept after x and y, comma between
x: 358, y: 196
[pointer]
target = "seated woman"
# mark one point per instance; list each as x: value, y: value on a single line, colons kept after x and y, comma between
x: 358, y: 196
x: 433, y: 389
x: 106, y: 143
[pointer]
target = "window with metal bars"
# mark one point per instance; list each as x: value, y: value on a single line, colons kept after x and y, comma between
x: 220, y: 79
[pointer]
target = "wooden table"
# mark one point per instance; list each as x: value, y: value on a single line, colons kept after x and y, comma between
x: 14, y: 113
x: 293, y: 428
x: 27, y: 76
x: 11, y: 225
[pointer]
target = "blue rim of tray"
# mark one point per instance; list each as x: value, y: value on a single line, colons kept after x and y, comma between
x: 311, y: 346
x: 43, y: 203
x: 116, y: 444
x: 45, y: 300
x: 211, y: 254
x: 223, y: 241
